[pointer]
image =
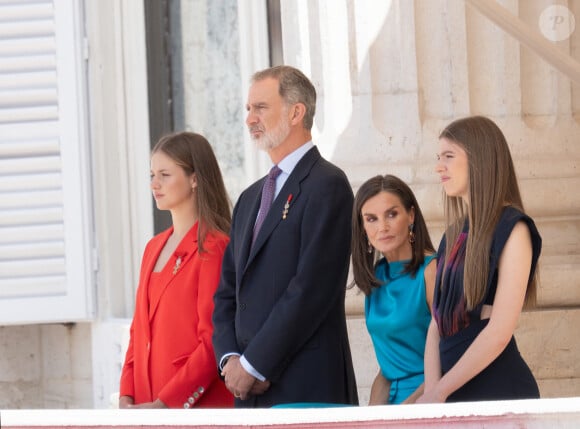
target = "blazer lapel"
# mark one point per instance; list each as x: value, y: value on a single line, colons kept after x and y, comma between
x: 185, y: 250
x: 291, y: 187
x: 153, y: 254
x: 142, y: 305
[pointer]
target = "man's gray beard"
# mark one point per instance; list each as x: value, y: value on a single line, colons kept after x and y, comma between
x: 274, y: 138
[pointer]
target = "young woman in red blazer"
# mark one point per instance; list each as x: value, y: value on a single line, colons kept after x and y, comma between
x: 170, y: 359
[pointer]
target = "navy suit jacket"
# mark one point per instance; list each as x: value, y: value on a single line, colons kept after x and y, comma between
x: 281, y: 302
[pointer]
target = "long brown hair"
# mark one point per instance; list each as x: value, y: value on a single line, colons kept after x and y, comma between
x: 363, y: 261
x: 194, y: 154
x: 492, y: 185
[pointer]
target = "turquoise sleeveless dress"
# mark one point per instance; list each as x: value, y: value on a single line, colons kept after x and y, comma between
x: 397, y: 317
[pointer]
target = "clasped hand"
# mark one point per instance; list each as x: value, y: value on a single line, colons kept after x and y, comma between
x: 241, y: 383
x: 127, y: 402
x: 430, y: 397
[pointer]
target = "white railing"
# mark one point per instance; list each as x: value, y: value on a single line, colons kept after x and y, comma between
x: 540, y: 413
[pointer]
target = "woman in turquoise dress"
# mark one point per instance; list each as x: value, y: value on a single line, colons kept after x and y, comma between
x: 394, y: 265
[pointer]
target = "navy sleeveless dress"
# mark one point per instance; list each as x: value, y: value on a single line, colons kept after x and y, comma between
x: 508, y: 376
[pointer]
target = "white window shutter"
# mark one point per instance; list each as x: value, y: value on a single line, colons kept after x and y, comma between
x: 46, y: 272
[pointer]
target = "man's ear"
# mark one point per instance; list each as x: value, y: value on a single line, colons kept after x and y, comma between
x: 297, y: 113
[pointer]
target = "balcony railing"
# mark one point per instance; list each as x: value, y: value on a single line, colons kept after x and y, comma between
x: 540, y: 413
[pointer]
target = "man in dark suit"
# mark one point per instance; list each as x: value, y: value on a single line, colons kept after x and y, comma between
x: 279, y: 322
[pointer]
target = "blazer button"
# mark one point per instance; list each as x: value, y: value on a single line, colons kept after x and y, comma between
x: 190, y: 400
x: 242, y: 306
x: 186, y: 405
x: 200, y: 389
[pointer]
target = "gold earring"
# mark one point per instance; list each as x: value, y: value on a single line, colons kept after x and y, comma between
x: 411, y: 233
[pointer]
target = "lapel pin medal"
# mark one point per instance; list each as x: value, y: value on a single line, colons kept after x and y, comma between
x: 286, y: 207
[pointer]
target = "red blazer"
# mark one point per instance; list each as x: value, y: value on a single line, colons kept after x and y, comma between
x: 170, y: 354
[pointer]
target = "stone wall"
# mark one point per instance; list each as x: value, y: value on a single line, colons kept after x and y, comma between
x: 45, y: 366
x: 391, y: 76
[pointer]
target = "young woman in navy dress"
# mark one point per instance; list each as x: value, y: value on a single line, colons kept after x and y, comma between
x: 486, y: 271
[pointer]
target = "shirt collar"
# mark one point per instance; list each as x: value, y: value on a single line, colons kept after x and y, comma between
x: 290, y: 161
